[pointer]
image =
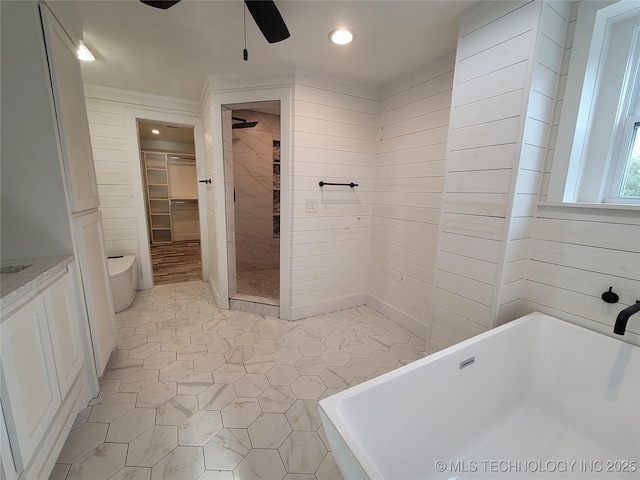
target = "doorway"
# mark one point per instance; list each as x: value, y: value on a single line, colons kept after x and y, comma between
x: 252, y: 185
x: 170, y: 186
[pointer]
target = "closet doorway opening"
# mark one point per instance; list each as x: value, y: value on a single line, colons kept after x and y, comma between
x: 170, y: 185
x: 252, y: 186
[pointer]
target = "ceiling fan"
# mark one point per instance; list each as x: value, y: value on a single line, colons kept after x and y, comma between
x: 264, y: 12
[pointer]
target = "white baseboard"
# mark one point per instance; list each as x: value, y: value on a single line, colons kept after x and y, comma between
x: 327, y: 306
x: 334, y: 304
x: 254, y: 307
x: 414, y: 326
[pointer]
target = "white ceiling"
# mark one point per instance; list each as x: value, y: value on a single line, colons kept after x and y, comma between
x: 171, y: 52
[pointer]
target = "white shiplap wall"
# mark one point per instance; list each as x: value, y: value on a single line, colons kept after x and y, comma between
x: 496, y: 47
x: 559, y: 99
x: 577, y: 253
x: 377, y: 243
x: 333, y: 140
x: 409, y: 167
x: 112, y: 115
x: 109, y: 138
x: 535, y: 138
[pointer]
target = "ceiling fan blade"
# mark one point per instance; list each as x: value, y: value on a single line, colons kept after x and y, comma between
x: 268, y: 19
x: 163, y: 4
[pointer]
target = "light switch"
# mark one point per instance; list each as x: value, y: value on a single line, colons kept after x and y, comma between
x: 311, y: 205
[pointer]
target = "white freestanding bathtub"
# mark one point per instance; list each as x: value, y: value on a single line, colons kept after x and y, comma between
x: 535, y: 398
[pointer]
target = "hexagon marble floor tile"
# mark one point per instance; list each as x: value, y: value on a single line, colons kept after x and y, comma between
x: 194, y: 392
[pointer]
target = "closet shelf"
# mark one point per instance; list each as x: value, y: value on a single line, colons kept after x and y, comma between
x: 158, y: 206
x: 172, y: 195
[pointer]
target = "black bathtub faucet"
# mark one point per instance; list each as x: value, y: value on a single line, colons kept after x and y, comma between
x: 623, y: 317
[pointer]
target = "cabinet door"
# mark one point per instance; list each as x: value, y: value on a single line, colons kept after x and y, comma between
x: 30, y: 385
x: 97, y: 288
x: 8, y: 469
x: 71, y: 115
x: 62, y: 318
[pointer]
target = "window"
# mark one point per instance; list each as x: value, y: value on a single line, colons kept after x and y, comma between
x: 597, y: 154
x: 623, y: 184
x: 631, y: 179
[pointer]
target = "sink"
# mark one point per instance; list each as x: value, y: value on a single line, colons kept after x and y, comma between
x: 13, y: 268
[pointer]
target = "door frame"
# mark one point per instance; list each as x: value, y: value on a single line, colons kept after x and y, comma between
x: 250, y: 95
x: 138, y: 188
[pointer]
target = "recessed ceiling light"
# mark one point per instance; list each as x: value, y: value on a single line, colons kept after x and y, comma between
x: 155, y: 131
x: 341, y: 36
x: 85, y: 54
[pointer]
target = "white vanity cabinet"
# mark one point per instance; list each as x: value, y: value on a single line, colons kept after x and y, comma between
x: 8, y: 469
x: 60, y: 304
x: 29, y: 372
x: 43, y: 379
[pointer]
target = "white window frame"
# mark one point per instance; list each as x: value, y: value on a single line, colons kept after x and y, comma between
x: 577, y: 174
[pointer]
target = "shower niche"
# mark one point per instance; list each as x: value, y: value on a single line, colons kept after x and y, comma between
x: 276, y: 189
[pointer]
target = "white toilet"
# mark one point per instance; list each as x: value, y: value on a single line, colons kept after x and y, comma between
x: 122, y: 275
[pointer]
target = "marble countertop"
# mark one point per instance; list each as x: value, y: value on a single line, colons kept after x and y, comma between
x: 15, y: 285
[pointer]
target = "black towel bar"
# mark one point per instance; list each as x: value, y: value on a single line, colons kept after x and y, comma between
x: 351, y: 185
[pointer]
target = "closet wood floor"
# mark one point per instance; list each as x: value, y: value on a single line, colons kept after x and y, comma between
x: 176, y: 262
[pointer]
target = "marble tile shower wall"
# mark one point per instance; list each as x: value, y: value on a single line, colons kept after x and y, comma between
x: 256, y: 249
x: 194, y: 392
